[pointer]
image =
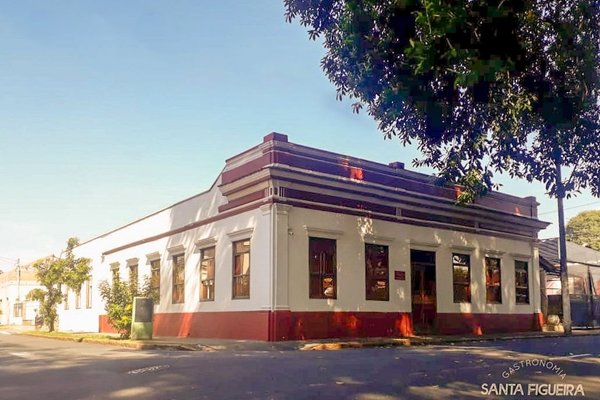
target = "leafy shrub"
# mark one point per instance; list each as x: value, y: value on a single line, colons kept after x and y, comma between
x: 118, y: 303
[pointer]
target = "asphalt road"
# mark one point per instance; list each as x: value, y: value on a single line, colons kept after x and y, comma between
x: 37, y: 368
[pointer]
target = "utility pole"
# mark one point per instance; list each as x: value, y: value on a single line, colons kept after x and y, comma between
x: 562, y: 248
x: 9, y: 307
x: 18, y: 280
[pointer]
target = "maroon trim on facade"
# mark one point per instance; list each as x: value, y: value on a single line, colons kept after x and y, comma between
x: 369, y: 214
x: 481, y: 324
x: 247, y: 325
x: 303, y: 325
x: 361, y: 190
x: 437, y: 218
x: 506, y: 229
x: 344, y: 169
x: 247, y: 169
x: 319, y: 207
x: 348, y: 169
x: 249, y: 198
x: 254, y: 182
x: 339, y: 201
x: 275, y: 136
x: 360, y: 170
x: 186, y: 227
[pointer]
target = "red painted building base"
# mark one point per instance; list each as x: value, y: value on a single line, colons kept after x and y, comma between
x: 481, y: 324
x: 288, y: 325
x: 305, y: 325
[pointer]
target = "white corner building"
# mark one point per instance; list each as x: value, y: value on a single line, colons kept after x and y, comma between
x: 294, y: 243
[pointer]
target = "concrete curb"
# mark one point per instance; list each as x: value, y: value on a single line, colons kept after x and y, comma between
x: 416, y: 341
x: 305, y: 345
x: 137, y: 345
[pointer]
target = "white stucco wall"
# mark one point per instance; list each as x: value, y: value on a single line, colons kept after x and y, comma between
x: 10, y: 291
x: 279, y: 261
x: 253, y: 224
x: 352, y: 232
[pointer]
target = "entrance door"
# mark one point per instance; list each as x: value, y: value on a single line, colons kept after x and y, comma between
x: 423, y: 290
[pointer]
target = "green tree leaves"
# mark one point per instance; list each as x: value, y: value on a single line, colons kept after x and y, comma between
x: 53, y: 273
x: 481, y: 86
x: 118, y: 302
x: 584, y: 229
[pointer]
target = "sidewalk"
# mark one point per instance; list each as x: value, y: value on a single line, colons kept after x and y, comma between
x: 336, y: 344
x: 212, y: 345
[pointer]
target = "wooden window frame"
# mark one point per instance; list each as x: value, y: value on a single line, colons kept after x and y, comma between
x: 209, y: 281
x: 155, y: 278
x: 493, y: 290
x: 78, y: 298
x: 134, y: 273
x: 320, y: 274
x: 242, y: 276
x: 176, y: 284
x: 115, y: 270
x: 525, y: 287
x: 374, y: 274
x: 466, y: 284
x: 19, y: 309
x: 88, y: 294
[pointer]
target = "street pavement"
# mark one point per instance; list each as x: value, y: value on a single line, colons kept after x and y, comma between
x: 40, y: 368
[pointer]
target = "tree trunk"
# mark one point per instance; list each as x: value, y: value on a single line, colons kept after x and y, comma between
x: 564, y: 277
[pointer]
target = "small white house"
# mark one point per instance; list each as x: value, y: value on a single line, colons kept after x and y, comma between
x: 293, y: 242
x: 15, y: 284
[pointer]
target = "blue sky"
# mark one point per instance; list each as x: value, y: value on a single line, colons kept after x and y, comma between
x: 112, y: 110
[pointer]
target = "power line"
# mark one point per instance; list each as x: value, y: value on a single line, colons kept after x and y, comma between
x: 570, y: 208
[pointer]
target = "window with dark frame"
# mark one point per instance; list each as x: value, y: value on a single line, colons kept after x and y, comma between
x: 493, y: 280
x: 461, y: 275
x: 241, y: 269
x: 19, y: 310
x: 377, y: 272
x: 66, y: 298
x: 522, y: 282
x: 178, y: 295
x: 155, y: 279
x: 207, y: 274
x: 78, y: 298
x: 322, y: 268
x: 133, y: 276
x: 88, y: 298
x: 115, y: 273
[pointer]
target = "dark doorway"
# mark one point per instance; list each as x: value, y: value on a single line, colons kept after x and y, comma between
x: 423, y: 290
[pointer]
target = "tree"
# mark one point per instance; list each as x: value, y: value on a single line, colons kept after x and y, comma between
x: 482, y: 86
x: 53, y: 273
x: 584, y: 229
x: 118, y: 302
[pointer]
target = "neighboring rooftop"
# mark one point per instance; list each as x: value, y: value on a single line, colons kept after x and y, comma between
x: 550, y: 253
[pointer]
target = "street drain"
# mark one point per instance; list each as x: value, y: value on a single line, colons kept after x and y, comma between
x: 153, y: 368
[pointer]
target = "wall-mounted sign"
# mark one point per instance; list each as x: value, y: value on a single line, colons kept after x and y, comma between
x: 399, y: 275
x: 144, y: 308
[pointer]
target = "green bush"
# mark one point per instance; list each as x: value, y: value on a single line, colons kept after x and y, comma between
x: 118, y: 303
